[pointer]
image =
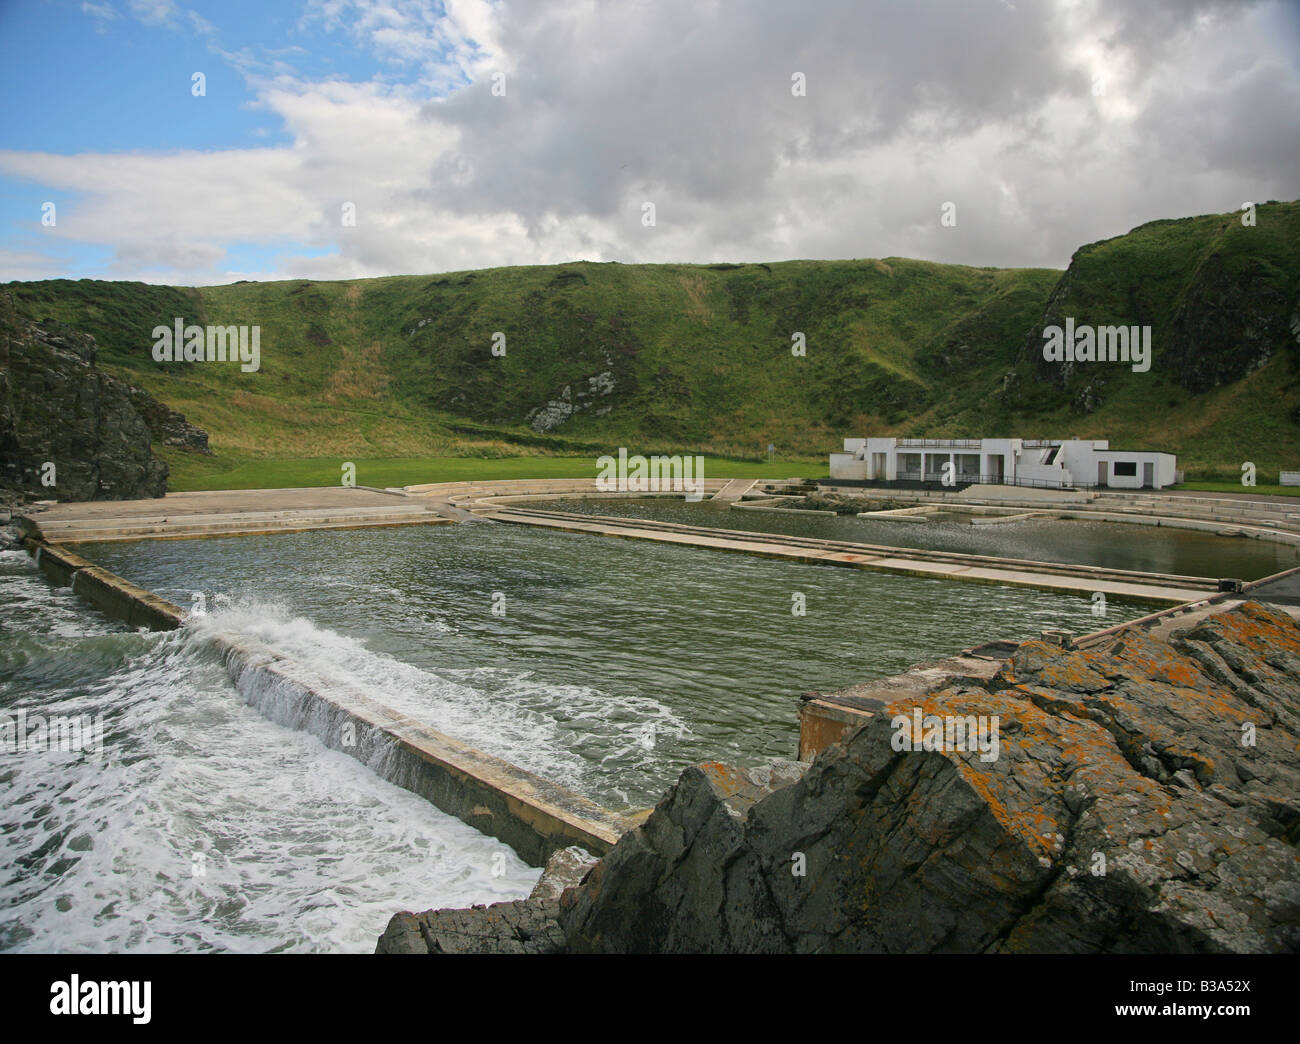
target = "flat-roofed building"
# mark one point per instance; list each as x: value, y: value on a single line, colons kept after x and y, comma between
x: 1046, y: 463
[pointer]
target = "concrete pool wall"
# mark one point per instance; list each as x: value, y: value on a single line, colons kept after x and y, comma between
x: 534, y: 816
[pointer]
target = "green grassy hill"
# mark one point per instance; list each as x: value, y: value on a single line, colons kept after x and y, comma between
x: 663, y: 357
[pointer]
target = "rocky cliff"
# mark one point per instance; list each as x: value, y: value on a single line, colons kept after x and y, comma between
x: 1145, y: 797
x: 68, y: 431
x: 1222, y: 298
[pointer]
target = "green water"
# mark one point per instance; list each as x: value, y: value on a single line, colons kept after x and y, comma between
x: 1114, y: 545
x: 616, y: 663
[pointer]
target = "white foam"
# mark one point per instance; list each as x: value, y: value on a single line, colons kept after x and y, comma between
x: 302, y: 848
x: 535, y: 724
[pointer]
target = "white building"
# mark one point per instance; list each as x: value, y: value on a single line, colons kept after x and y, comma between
x: 1048, y: 463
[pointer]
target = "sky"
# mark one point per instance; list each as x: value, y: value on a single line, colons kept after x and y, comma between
x: 201, y: 143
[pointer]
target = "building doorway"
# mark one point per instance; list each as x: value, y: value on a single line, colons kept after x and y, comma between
x: 1102, y: 478
x: 993, y: 468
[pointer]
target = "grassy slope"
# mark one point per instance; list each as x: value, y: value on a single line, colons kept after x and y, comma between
x: 400, y: 368
x: 1144, y: 277
x: 286, y: 473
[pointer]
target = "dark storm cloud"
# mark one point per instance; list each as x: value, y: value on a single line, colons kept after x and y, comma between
x: 689, y: 105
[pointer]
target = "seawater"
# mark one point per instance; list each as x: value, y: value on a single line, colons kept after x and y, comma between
x: 1112, y: 545
x: 203, y: 827
x: 605, y: 665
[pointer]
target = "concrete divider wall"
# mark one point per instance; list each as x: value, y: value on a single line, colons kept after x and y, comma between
x: 1242, y: 519
x: 532, y: 815
x: 109, y: 593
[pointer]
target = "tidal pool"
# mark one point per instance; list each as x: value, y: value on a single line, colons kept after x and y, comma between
x: 198, y: 825
x: 1114, y: 545
x: 606, y: 665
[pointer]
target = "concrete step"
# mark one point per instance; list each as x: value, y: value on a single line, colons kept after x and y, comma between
x: 734, y: 490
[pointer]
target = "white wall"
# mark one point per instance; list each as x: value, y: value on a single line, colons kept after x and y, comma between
x: 1165, y: 466
x: 847, y: 466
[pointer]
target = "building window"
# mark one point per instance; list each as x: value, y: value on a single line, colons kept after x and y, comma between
x: 1125, y: 468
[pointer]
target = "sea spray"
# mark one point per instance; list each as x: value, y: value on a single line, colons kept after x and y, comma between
x: 522, y: 720
x: 304, y: 849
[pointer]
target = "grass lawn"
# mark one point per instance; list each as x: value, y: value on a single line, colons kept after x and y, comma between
x: 189, y: 472
x: 1237, y: 487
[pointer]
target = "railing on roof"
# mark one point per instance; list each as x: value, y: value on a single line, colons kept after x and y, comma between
x: 940, y: 443
x: 964, y: 478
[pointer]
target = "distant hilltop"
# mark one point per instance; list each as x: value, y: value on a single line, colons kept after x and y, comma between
x: 726, y: 359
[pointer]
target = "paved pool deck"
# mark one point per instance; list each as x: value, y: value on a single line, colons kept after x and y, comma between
x: 236, y: 512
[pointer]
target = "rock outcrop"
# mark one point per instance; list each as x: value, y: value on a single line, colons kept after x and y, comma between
x: 522, y: 926
x: 168, y: 426
x: 1231, y: 319
x: 69, y: 431
x: 565, y: 869
x: 1144, y: 797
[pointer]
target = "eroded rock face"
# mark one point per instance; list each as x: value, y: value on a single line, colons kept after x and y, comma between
x: 169, y: 426
x: 1145, y: 798
x: 57, y: 409
x: 565, y: 869
x: 688, y: 859
x: 522, y: 926
x: 1230, y: 321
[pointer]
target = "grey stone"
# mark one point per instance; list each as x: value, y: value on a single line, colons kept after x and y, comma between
x: 56, y: 407
x: 521, y: 926
x: 565, y: 869
x: 1118, y: 816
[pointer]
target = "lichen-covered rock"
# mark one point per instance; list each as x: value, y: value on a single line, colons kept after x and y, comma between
x: 1145, y: 797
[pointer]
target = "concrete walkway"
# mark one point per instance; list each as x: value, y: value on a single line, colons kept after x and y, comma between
x: 734, y: 490
x: 229, y: 513
x: 1275, y: 519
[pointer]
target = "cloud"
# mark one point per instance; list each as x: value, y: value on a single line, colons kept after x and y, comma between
x: 154, y: 12
x: 101, y: 13
x: 1048, y: 125
x: 450, y: 44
